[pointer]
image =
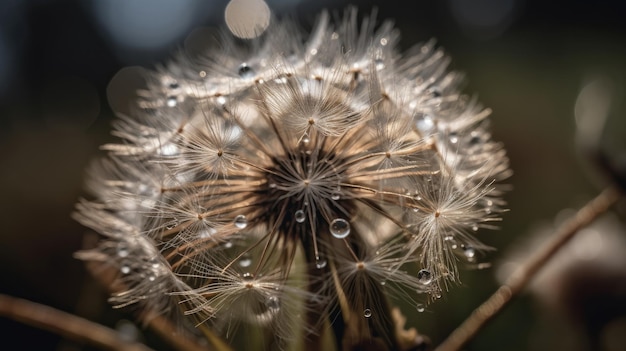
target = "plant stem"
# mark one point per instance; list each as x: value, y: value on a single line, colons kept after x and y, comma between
x: 65, y: 324
x: 524, y: 274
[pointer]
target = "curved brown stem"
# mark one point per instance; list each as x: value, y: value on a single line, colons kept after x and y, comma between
x: 65, y: 324
x: 520, y: 279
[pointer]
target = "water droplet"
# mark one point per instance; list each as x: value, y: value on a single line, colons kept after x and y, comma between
x: 454, y: 138
x: 245, y: 71
x: 272, y: 185
x: 383, y: 283
x: 334, y: 36
x: 151, y: 277
x: 247, y: 277
x: 383, y: 41
x: 206, y: 233
x: 202, y: 74
x: 305, y: 139
x: 335, y: 195
x: 424, y: 276
x: 320, y: 262
x: 451, y: 241
x: 273, y: 303
x: 469, y: 252
x: 418, y: 197
x: 154, y: 263
x: 379, y: 63
x: 171, y: 224
x: 122, y: 249
x: 125, y: 269
x: 228, y: 244
x: 339, y: 228
x: 221, y: 100
x: 245, y: 261
x: 172, y: 101
x: 367, y: 313
x: 425, y: 123
x: 241, y: 221
x: 475, y: 227
x: 475, y: 138
x: 169, y: 149
x: 420, y: 307
x: 300, y: 216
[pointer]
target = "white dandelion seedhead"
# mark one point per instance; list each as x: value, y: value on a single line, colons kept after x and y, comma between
x: 289, y: 182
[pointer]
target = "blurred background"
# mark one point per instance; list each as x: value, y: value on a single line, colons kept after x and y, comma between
x: 526, y: 59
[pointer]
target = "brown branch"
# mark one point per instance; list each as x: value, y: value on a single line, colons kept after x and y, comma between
x: 523, y: 275
x: 65, y: 324
x: 169, y: 332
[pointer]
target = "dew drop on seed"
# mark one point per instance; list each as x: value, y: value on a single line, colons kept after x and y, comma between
x: 454, y: 138
x: 420, y: 307
x: 245, y: 71
x: 241, y: 221
x: 469, y: 252
x: 379, y: 63
x: 273, y: 303
x: 424, y: 276
x: 154, y: 263
x: 450, y: 240
x: 228, y: 244
x: 169, y: 149
x: 300, y: 216
x: 151, y: 277
x: 122, y: 249
x: 306, y: 139
x: 425, y: 123
x: 475, y: 138
x: 245, y: 261
x: 172, y: 101
x: 125, y: 269
x: 335, y: 195
x: 339, y: 228
x: 383, y: 41
x: 367, y: 313
x: 171, y: 225
x: 320, y: 262
x: 247, y: 277
x: 475, y: 227
x: 206, y: 233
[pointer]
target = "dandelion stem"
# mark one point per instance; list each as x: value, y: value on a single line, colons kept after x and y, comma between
x: 65, y: 324
x: 520, y: 279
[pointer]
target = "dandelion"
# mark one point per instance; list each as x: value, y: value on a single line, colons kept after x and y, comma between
x: 291, y: 184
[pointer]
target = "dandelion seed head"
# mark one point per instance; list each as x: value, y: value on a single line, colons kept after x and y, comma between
x: 294, y: 176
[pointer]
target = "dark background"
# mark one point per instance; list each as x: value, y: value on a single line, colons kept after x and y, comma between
x: 526, y: 59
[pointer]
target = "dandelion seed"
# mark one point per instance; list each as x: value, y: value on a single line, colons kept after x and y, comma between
x: 296, y: 177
